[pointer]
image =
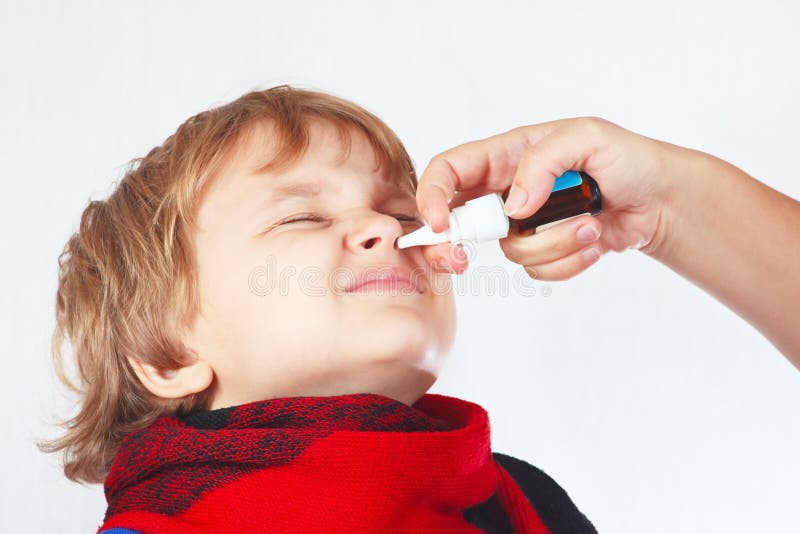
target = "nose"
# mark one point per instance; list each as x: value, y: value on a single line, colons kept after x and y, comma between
x: 374, y: 231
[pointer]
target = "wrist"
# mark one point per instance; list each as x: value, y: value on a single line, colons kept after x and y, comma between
x: 679, y: 183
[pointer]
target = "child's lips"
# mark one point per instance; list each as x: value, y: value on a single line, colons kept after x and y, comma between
x: 399, y: 285
x: 392, y: 277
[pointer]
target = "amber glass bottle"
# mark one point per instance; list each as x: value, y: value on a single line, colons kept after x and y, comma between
x: 574, y: 193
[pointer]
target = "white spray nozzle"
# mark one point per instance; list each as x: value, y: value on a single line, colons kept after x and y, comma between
x: 480, y: 219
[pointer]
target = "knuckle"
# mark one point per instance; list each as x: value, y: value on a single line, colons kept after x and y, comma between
x: 506, y: 245
x: 445, y: 193
x: 512, y: 251
x: 557, y: 246
x: 532, y: 273
x: 440, y: 159
x: 553, y: 242
x: 531, y: 154
x: 438, y: 164
x: 594, y: 125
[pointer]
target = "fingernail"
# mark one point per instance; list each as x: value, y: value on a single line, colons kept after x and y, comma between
x: 459, y: 254
x: 516, y: 199
x: 587, y: 233
x: 591, y: 255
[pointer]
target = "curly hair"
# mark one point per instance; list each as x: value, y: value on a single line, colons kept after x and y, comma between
x: 127, y: 282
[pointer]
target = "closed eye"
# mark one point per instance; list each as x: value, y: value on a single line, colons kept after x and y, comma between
x: 316, y: 218
x: 313, y: 218
x: 409, y: 218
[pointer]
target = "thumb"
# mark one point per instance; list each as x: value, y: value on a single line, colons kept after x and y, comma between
x: 568, y: 146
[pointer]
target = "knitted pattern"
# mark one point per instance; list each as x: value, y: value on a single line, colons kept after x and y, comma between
x: 350, y: 463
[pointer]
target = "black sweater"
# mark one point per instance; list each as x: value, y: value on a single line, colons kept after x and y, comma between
x: 551, y: 502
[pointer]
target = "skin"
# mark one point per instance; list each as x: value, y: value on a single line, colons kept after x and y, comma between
x: 311, y: 337
x: 709, y: 221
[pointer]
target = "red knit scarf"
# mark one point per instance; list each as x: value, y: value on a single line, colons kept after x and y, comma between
x: 349, y: 463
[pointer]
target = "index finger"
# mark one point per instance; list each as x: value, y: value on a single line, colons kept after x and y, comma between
x: 486, y: 163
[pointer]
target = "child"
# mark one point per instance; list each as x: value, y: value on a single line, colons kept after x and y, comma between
x: 254, y: 351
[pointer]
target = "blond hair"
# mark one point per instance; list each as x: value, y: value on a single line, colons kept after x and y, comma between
x: 127, y: 280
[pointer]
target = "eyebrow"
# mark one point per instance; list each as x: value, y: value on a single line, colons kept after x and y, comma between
x: 294, y: 190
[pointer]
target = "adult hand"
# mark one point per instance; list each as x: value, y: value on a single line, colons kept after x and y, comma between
x: 704, y: 218
x: 631, y: 171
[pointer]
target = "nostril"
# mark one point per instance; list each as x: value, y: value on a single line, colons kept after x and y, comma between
x: 370, y: 242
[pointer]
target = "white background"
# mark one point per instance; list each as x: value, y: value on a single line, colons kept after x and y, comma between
x: 656, y: 408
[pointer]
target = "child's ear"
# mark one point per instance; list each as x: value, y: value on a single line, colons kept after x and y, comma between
x: 173, y: 384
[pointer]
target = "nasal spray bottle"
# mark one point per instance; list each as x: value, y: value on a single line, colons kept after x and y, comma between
x: 483, y: 219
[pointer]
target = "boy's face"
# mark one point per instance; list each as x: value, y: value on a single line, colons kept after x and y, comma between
x: 276, y: 318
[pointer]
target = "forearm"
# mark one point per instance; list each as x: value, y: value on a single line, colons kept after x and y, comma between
x: 736, y: 238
